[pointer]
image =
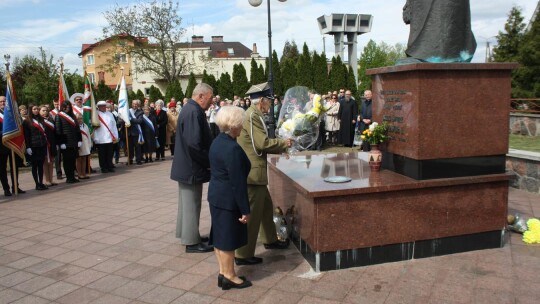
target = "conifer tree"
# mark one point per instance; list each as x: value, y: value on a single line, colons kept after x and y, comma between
x: 288, y: 74
x: 276, y: 73
x: 304, y: 68
x: 192, y: 83
x: 509, y: 41
x: 240, y: 81
x: 154, y: 94
x: 225, y: 86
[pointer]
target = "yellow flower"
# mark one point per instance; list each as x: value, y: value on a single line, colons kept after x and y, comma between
x: 532, y: 235
x: 362, y: 136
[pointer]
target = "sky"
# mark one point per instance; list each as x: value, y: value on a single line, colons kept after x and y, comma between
x: 62, y: 26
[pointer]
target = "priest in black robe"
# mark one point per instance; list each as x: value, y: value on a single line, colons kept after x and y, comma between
x: 348, y: 113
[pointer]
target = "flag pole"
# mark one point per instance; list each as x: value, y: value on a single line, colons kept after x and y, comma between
x: 125, y: 122
x: 13, y: 168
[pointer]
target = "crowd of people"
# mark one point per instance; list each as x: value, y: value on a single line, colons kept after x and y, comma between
x: 58, y: 139
x: 211, y: 140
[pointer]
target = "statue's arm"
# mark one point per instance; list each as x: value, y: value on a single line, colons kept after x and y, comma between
x: 407, y: 10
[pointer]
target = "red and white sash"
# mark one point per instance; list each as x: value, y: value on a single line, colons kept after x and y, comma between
x: 81, y: 127
x: 49, y: 124
x: 41, y: 130
x: 68, y: 118
x: 77, y: 111
x: 2, y: 117
x: 106, y: 126
x: 54, y: 112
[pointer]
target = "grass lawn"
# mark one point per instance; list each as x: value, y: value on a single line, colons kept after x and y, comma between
x: 527, y: 143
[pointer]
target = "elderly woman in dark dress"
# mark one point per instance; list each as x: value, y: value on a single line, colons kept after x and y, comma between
x: 227, y: 195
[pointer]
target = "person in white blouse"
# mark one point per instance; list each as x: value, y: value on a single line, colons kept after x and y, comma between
x: 104, y: 137
x: 84, y: 149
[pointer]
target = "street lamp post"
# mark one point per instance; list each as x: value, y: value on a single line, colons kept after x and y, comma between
x: 272, y: 124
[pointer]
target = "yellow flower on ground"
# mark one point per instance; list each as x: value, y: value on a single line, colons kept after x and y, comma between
x: 532, y: 235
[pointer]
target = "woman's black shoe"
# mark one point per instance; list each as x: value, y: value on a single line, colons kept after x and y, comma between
x: 220, y: 279
x: 248, y: 261
x: 18, y: 191
x: 228, y: 284
x: 7, y: 193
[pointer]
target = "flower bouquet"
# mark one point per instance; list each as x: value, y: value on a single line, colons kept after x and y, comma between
x: 375, y: 134
x: 299, y: 118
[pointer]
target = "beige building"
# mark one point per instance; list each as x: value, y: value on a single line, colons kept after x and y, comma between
x: 98, y: 56
x: 216, y: 56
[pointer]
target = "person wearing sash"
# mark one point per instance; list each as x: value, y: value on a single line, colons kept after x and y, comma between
x: 161, y: 130
x: 48, y: 164
x: 149, y: 127
x: 69, y: 139
x: 135, y: 135
x: 36, y: 144
x: 172, y: 118
x: 105, y: 136
x: 77, y: 103
x: 116, y: 145
x: 58, y: 157
x: 84, y: 150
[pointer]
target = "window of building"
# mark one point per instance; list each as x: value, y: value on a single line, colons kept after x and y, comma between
x: 146, y: 91
x: 122, y: 58
x: 89, y: 59
x: 92, y: 78
x: 230, y: 51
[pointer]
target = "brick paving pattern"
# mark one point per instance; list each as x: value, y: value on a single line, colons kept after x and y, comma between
x: 110, y: 239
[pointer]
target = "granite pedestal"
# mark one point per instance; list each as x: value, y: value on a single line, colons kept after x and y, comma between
x: 443, y: 188
x: 385, y: 216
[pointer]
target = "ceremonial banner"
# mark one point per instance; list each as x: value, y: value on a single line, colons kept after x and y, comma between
x: 12, y: 131
x: 62, y: 88
x: 90, y: 117
x: 123, y: 109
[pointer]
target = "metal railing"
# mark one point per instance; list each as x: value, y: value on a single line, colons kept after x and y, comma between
x: 525, y: 105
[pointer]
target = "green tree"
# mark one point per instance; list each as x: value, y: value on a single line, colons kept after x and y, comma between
x: 139, y: 95
x: 320, y: 73
x: 74, y: 82
x: 240, y: 81
x: 509, y: 41
x: 211, y: 81
x: 154, y: 94
x: 352, y: 84
x: 225, y: 86
x: 192, y: 83
x: 103, y: 92
x: 261, y: 74
x: 290, y: 51
x: 276, y: 75
x: 174, y: 89
x: 338, y: 74
x: 288, y: 74
x: 304, y: 68
x: 526, y: 79
x: 375, y: 56
x: 159, y: 22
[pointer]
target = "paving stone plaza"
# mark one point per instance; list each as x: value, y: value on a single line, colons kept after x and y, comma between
x: 110, y: 239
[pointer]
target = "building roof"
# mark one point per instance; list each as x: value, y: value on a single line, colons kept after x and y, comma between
x: 86, y: 47
x: 221, y: 49
x: 218, y: 48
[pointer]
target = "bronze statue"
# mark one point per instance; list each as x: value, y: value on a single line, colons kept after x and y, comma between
x: 440, y: 31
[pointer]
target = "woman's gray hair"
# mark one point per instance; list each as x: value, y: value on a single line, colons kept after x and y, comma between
x: 160, y: 103
x: 228, y: 118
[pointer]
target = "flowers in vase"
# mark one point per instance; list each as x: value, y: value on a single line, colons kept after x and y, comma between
x: 376, y: 134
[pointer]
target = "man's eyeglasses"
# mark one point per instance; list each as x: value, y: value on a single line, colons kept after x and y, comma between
x: 341, y: 91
